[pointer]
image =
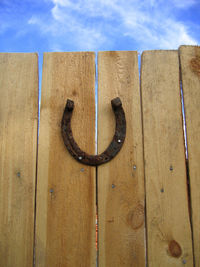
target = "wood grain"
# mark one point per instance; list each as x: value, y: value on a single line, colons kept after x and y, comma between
x: 120, y: 186
x: 168, y: 224
x: 66, y: 199
x: 18, y: 144
x: 190, y: 72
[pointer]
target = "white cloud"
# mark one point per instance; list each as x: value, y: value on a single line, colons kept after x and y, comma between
x: 184, y: 3
x: 65, y: 26
x: 33, y: 20
x: 158, y: 33
x: 93, y: 24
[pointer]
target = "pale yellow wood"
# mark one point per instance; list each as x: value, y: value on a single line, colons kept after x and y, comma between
x: 66, y: 198
x: 120, y: 186
x: 168, y: 224
x: 190, y: 70
x: 18, y: 145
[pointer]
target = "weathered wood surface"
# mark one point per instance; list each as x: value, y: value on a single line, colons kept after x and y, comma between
x: 168, y: 224
x: 66, y: 191
x: 120, y: 185
x: 190, y: 70
x: 18, y: 144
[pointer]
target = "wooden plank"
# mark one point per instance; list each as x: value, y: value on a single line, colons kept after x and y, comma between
x: 190, y: 70
x: 169, y: 232
x: 18, y: 145
x: 66, y: 199
x: 120, y: 185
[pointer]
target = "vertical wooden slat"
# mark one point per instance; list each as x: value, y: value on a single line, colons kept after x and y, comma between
x: 168, y: 224
x: 120, y: 184
x: 18, y: 145
x: 65, y: 222
x: 190, y: 72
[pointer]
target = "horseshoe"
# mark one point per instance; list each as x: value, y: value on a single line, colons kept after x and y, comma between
x: 113, y: 148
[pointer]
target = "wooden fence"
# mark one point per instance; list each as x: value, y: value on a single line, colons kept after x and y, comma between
x: 147, y: 198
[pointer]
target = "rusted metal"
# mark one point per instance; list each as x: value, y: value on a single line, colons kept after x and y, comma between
x: 112, y: 149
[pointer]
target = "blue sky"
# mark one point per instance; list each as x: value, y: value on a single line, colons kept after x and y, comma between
x: 79, y: 25
x: 94, y: 25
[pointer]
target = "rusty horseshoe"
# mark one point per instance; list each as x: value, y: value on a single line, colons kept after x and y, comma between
x: 113, y: 148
